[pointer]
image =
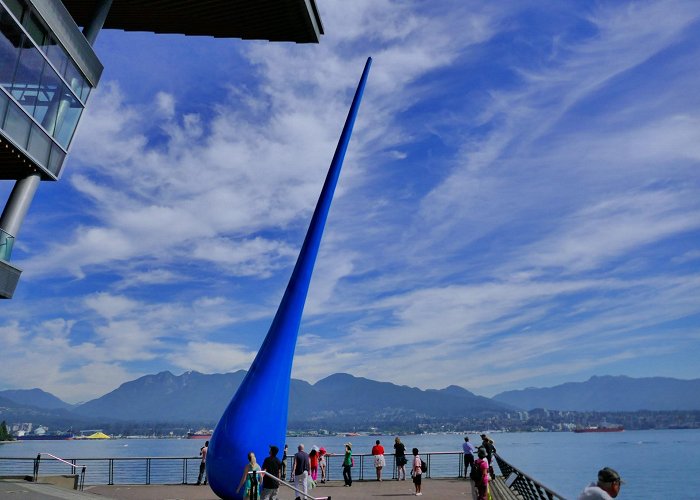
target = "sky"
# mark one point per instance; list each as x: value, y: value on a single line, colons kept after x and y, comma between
x: 519, y: 205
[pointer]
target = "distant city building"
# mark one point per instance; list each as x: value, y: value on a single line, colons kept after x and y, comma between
x: 48, y: 70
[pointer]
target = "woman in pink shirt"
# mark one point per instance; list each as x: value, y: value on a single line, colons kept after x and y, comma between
x: 482, y: 483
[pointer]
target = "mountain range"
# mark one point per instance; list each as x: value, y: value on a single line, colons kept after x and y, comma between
x: 344, y: 400
x: 609, y: 393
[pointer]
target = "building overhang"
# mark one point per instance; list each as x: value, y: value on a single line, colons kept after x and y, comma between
x: 273, y: 20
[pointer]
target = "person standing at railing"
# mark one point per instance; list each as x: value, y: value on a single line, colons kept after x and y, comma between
x: 379, y: 462
x: 203, y: 464
x: 468, y: 456
x: 301, y: 466
x: 488, y: 445
x: 400, y: 454
x: 417, y: 471
x: 313, y: 462
x: 607, y: 487
x: 347, y: 465
x: 284, y: 462
x: 272, y: 467
x: 322, y: 463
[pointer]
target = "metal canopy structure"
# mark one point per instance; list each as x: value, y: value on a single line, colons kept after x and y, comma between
x: 274, y: 20
x: 48, y: 68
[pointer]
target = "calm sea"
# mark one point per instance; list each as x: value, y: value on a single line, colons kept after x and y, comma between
x: 654, y: 464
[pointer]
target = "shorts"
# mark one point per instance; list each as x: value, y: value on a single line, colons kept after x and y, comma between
x: 416, y: 479
x: 379, y: 461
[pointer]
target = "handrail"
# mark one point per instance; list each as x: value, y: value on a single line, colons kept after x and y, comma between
x: 81, y: 482
x: 523, y: 485
x: 254, y: 486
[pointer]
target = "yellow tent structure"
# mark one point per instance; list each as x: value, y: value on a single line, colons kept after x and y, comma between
x: 97, y: 435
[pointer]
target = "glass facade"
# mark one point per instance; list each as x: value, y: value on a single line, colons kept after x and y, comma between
x: 42, y: 91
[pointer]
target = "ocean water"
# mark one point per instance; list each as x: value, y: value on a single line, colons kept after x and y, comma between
x: 654, y: 464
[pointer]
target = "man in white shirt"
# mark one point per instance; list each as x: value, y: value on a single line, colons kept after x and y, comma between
x: 468, y: 456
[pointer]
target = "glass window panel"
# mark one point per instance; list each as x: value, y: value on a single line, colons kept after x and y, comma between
x: 68, y: 116
x: 75, y: 79
x: 86, y: 91
x: 48, y: 99
x: 10, y: 40
x: 57, y: 56
x: 35, y: 28
x: 28, y: 75
x: 39, y: 145
x: 16, y: 7
x: 3, y: 106
x: 17, y: 125
x: 56, y: 160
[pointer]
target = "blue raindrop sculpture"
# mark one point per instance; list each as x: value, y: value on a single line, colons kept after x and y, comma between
x: 256, y: 417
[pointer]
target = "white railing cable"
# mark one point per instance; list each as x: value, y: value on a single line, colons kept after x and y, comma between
x: 288, y: 485
x: 75, y: 466
x: 82, y: 468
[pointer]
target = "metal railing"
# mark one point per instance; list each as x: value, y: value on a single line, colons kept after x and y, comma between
x: 523, y: 485
x: 184, y: 470
x: 73, y: 465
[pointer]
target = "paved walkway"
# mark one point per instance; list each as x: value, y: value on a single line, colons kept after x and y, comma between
x: 433, y: 489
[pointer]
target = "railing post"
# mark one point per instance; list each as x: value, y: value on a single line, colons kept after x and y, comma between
x: 110, y: 471
x: 82, y: 478
x: 184, y: 471
x: 148, y: 471
x: 428, y: 475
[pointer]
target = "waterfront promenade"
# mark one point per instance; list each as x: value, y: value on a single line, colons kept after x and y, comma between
x: 432, y: 489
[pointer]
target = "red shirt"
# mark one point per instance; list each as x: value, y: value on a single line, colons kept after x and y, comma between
x: 377, y: 449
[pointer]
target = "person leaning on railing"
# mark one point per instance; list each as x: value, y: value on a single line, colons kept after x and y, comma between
x: 607, y: 487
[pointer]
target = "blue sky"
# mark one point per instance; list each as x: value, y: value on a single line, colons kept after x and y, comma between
x: 519, y: 206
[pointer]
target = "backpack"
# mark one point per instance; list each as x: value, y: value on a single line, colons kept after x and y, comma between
x: 423, y: 466
x: 477, y: 473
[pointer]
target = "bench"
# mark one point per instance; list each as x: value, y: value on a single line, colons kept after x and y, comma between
x: 500, y: 491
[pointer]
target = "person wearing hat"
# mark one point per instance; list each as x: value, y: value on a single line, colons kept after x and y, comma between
x: 481, y: 481
x: 272, y: 467
x: 607, y: 487
x: 488, y: 446
x: 347, y: 465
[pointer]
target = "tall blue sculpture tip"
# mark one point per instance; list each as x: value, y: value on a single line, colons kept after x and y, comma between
x: 257, y: 414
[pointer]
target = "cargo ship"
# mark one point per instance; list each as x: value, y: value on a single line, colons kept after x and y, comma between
x: 45, y: 437
x: 600, y: 428
x: 200, y: 434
